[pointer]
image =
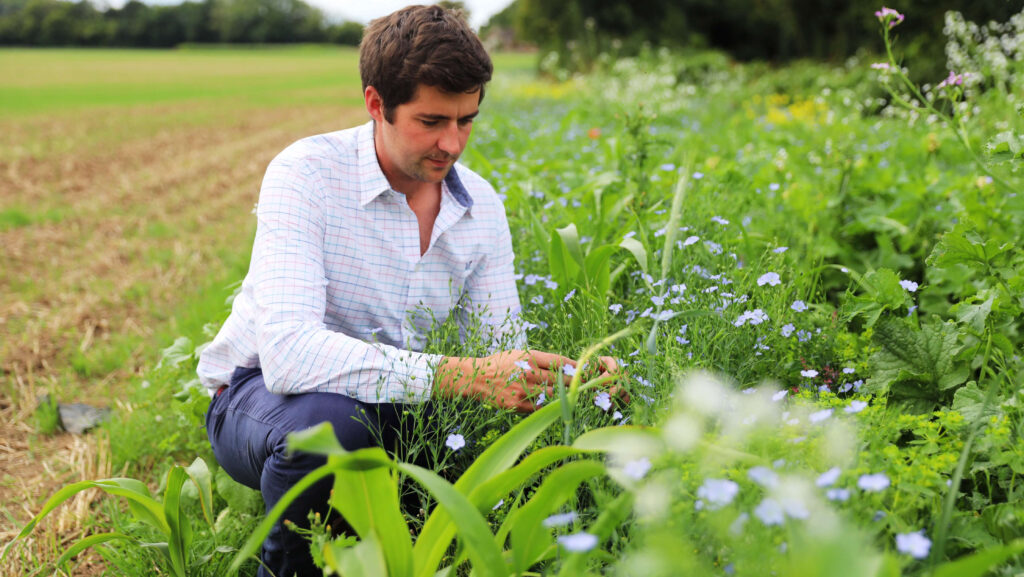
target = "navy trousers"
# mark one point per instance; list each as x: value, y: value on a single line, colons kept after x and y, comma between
x: 247, y: 426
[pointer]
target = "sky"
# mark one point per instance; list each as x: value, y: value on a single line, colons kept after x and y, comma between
x: 365, y: 10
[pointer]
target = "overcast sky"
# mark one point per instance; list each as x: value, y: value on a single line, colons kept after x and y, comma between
x: 365, y: 10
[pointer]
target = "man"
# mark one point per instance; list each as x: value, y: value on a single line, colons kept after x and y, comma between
x: 359, y: 232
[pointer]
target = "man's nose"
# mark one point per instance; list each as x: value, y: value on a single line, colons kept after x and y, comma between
x: 450, y: 141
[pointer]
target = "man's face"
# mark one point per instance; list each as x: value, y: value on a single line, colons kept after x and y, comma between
x: 426, y: 137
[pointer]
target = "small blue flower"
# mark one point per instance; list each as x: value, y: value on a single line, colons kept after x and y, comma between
x: 787, y: 329
x: 914, y: 544
x: 909, y: 285
x: 874, y: 482
x: 578, y: 542
x: 780, y: 249
x: 603, y: 401
x: 799, y: 306
x: 770, y: 512
x: 769, y: 278
x: 828, y: 478
x: 718, y: 492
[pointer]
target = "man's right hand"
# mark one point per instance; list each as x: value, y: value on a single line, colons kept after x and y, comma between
x: 509, y: 379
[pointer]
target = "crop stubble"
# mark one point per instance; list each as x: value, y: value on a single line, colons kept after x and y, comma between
x: 140, y: 214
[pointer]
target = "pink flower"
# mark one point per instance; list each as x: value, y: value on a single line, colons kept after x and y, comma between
x: 881, y: 66
x: 953, y: 79
x: 889, y: 16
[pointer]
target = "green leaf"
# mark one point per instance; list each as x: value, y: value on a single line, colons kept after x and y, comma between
x: 977, y: 564
x: 319, y: 440
x: 561, y: 263
x: 86, y: 542
x: 969, y: 401
x: 638, y: 251
x: 916, y: 363
x: 472, y: 528
x: 597, y: 265
x: 368, y: 500
x: 438, y: 531
x: 199, y: 472
x: 975, y: 315
x: 363, y: 558
x: 489, y: 492
x: 674, y: 220
x: 180, y: 352
x: 179, y: 537
x: 963, y: 245
x: 525, y: 525
x: 240, y: 499
x: 571, y: 239
x: 627, y: 440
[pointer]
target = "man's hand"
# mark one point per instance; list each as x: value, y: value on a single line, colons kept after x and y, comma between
x: 511, y: 379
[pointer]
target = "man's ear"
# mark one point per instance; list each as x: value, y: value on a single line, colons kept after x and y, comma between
x: 374, y: 104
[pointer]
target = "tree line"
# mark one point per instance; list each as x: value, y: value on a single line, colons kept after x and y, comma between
x: 63, y: 23
x: 775, y: 30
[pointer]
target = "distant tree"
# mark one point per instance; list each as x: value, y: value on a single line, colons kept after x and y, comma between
x: 346, y: 33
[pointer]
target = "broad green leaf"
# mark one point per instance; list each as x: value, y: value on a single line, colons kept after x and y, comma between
x: 142, y: 506
x: 969, y: 400
x: 90, y: 541
x: 489, y: 492
x: 199, y: 472
x: 176, y: 354
x: 368, y: 499
x: 980, y: 563
x: 597, y: 266
x: 674, y: 220
x: 528, y: 536
x: 571, y: 239
x: 362, y: 559
x: 636, y: 248
x: 240, y: 499
x: 438, y: 531
x: 975, y: 315
x: 964, y: 245
x: 319, y: 440
x: 562, y: 265
x: 622, y: 440
x: 474, y: 533
x: 179, y: 536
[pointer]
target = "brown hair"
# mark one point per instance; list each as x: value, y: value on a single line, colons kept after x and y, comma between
x: 421, y: 45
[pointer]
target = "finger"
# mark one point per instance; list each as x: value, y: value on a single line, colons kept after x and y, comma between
x: 549, y: 361
x: 620, y: 392
x: 609, y: 365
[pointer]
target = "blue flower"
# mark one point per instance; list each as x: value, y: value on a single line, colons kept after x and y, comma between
x: 909, y: 285
x: 560, y: 519
x: 690, y: 240
x: 787, y: 329
x: 603, y: 401
x: 763, y: 476
x: 569, y: 295
x: 828, y: 478
x: 780, y: 249
x: 769, y: 278
x: 770, y: 512
x: 874, y: 482
x: 809, y: 373
x: 578, y: 542
x: 914, y: 544
x: 718, y: 492
x: 799, y: 306
x: 615, y: 308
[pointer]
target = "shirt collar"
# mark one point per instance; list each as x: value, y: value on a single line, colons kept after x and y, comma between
x: 373, y: 183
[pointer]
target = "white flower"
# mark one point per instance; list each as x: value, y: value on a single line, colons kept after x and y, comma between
x: 616, y: 416
x: 914, y: 544
x: 763, y: 476
x: 779, y: 395
x: 829, y: 477
x: 637, y: 469
x: 604, y: 401
x: 769, y: 278
x: 718, y: 492
x: 578, y: 542
x: 820, y: 416
x: 856, y: 406
x: 498, y: 505
x: 770, y: 512
x: 560, y: 520
x: 909, y: 285
x: 873, y: 482
x: 809, y: 373
x: 455, y: 441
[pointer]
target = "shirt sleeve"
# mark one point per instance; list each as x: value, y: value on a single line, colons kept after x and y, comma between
x: 492, y: 298
x: 297, y: 351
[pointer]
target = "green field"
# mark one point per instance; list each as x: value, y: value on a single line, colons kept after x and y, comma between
x: 820, y: 292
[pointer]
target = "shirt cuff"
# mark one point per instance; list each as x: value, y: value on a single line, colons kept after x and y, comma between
x: 412, y: 377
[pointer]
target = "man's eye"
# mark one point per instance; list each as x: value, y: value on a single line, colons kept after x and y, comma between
x: 465, y: 122
x: 429, y: 123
